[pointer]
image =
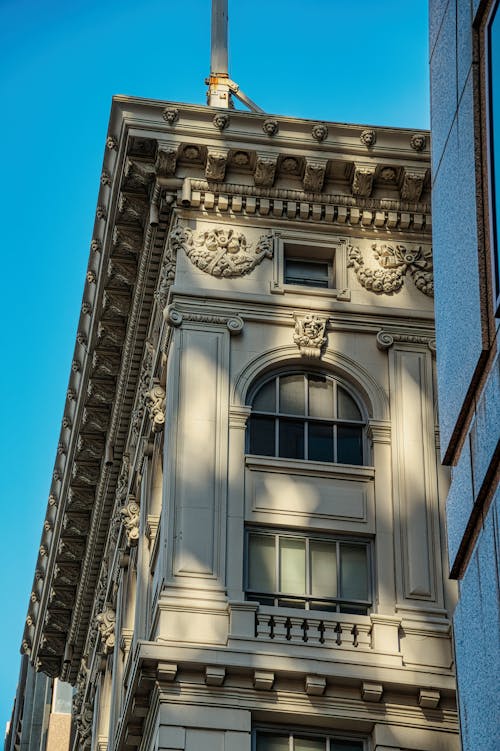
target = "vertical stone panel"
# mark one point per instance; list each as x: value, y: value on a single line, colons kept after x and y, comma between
x: 200, y: 483
x: 415, y: 482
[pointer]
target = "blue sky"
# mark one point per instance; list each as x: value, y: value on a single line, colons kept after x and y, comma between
x: 60, y: 64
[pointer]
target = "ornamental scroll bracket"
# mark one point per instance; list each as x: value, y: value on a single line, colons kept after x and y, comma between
x: 175, y: 317
x: 155, y: 404
x: 221, y: 252
x: 386, y: 339
x: 394, y: 262
x: 130, y: 514
x: 310, y: 335
x: 106, y: 622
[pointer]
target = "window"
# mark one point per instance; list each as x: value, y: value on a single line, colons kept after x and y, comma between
x: 315, y: 573
x: 267, y: 740
x: 306, y: 416
x: 494, y: 108
x: 308, y: 266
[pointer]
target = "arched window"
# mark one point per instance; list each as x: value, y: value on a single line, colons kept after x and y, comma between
x: 306, y: 416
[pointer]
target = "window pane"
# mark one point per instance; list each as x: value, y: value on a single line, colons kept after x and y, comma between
x: 291, y: 439
x: 349, y: 444
x: 323, y: 568
x: 262, y: 436
x: 268, y: 742
x: 495, y: 139
x: 347, y: 409
x: 292, y: 394
x: 265, y: 398
x: 309, y: 744
x: 353, y: 572
x: 309, y: 273
x: 320, y: 442
x: 346, y: 746
x: 320, y: 396
x: 292, y: 565
x: 261, y: 563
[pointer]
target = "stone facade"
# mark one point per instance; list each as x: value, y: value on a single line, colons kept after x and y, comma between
x: 232, y: 261
x: 465, y: 256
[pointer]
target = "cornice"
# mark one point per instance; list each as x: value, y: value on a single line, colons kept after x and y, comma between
x: 244, y: 124
x: 114, y: 299
x: 157, y: 674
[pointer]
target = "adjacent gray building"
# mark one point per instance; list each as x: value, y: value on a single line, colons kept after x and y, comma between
x: 465, y: 96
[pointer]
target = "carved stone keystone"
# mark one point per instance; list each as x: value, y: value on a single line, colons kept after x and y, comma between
x: 310, y: 335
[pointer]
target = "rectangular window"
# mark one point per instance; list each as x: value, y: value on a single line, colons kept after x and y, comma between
x: 308, y: 266
x: 267, y: 740
x: 494, y: 123
x: 302, y: 571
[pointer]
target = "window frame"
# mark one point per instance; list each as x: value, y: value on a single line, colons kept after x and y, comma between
x: 335, y: 604
x: 307, y: 419
x: 329, y: 738
x: 492, y: 158
x: 313, y: 247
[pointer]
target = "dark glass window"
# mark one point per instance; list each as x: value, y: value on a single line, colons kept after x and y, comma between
x: 494, y: 86
x: 267, y: 740
x: 306, y: 416
x: 300, y: 571
x: 308, y: 273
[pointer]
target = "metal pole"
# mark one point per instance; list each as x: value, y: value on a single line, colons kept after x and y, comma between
x: 218, y: 51
x: 220, y: 86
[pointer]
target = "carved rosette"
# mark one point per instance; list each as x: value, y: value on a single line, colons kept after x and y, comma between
x: 106, y: 624
x: 155, y: 404
x: 222, y: 252
x: 130, y: 514
x: 310, y: 335
x: 394, y: 262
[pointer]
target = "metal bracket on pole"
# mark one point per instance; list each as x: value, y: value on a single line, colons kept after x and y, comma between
x: 220, y: 86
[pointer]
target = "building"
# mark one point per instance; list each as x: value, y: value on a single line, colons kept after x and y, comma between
x: 41, y: 716
x: 244, y: 541
x: 465, y: 98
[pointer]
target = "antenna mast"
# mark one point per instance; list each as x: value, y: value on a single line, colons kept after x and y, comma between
x: 220, y: 86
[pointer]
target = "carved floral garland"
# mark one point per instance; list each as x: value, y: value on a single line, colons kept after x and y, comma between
x: 394, y: 262
x: 221, y: 252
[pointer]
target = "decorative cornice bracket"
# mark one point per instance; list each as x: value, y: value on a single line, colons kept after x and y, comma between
x: 362, y: 179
